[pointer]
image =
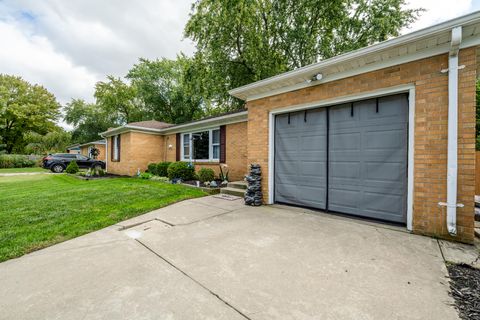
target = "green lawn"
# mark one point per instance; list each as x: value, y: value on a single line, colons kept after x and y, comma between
x: 39, y: 210
x: 15, y: 170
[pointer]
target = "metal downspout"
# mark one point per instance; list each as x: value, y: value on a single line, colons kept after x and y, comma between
x: 452, y: 157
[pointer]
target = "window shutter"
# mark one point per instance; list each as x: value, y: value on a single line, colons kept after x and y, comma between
x: 178, y: 143
x: 223, y: 139
x: 119, y: 146
x: 112, y: 150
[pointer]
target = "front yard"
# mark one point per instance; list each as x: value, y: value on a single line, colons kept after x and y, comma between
x: 37, y: 211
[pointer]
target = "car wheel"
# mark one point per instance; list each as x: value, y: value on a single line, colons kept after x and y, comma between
x: 97, y: 167
x: 57, y: 168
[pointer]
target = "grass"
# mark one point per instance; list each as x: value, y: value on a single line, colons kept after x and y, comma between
x: 40, y: 210
x: 16, y: 170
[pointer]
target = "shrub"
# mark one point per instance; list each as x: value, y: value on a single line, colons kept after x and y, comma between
x: 72, y: 168
x: 162, y: 169
x: 16, y: 161
x: 206, y: 174
x: 152, y: 168
x: 145, y: 175
x: 181, y: 170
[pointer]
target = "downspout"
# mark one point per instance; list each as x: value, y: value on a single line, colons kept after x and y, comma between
x: 452, y: 155
x: 106, y: 153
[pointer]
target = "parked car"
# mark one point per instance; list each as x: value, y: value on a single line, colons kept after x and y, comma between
x: 58, y: 162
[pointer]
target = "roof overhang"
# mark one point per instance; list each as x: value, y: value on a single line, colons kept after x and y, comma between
x: 91, y: 143
x: 417, y: 45
x: 200, y: 124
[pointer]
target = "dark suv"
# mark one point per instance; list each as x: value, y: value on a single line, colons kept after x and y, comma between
x: 59, y: 161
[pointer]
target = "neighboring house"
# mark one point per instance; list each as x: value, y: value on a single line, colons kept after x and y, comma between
x: 384, y: 132
x: 86, y: 149
x: 207, y: 143
x: 74, y: 149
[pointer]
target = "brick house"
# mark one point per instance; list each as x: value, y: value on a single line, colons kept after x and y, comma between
x: 86, y: 148
x: 384, y: 132
x: 206, y: 143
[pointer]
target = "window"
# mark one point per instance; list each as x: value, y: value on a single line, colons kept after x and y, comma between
x: 89, y: 152
x: 81, y: 157
x: 201, y: 145
x: 116, y: 148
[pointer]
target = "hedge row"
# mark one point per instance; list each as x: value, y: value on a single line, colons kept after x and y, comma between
x: 18, y: 161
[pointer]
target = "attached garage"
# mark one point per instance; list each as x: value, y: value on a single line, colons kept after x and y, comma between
x: 384, y: 132
x: 349, y: 158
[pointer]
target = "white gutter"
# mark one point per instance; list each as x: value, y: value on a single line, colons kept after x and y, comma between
x: 452, y: 156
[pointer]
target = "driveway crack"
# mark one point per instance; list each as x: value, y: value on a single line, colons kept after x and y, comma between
x: 216, y: 295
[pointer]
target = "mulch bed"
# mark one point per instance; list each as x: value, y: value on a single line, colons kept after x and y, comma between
x: 465, y: 289
x: 194, y: 183
x: 106, y: 176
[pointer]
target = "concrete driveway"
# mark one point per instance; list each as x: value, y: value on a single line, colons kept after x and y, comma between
x: 212, y: 258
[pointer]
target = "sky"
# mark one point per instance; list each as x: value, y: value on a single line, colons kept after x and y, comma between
x: 69, y: 45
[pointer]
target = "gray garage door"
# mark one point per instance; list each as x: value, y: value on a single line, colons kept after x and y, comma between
x: 366, y: 154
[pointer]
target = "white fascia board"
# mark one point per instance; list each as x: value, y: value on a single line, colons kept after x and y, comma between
x: 207, y: 123
x: 201, y: 124
x: 242, y: 92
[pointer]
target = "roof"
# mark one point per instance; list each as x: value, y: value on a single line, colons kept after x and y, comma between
x: 417, y: 45
x: 74, y: 146
x: 222, y: 119
x: 92, y: 142
x: 151, y: 124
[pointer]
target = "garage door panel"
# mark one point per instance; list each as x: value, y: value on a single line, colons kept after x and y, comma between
x: 380, y: 157
x: 300, y: 158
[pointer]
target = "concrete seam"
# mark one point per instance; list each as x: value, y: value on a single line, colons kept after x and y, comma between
x: 194, y: 280
x: 441, y: 251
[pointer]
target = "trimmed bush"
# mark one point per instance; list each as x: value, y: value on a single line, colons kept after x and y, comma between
x: 162, y: 169
x: 16, y: 161
x: 152, y: 168
x: 206, y: 174
x: 72, y: 168
x: 181, y: 170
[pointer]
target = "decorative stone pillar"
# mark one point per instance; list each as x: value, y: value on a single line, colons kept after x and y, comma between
x: 253, y: 195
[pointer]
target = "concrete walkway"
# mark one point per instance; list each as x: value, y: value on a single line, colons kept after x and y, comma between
x: 211, y: 258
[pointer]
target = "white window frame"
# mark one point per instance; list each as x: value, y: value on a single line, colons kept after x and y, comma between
x: 210, y: 145
x: 116, y: 153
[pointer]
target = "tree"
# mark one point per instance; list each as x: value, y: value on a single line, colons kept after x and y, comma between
x: 239, y: 42
x: 163, y: 87
x: 118, y: 99
x: 55, y: 141
x: 24, y: 108
x: 88, y: 120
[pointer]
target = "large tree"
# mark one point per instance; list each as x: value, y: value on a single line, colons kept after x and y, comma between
x: 55, y: 141
x: 242, y: 41
x: 119, y: 100
x: 24, y: 108
x: 165, y: 88
x: 88, y: 120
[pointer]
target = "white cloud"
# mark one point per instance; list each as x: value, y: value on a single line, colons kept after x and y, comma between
x: 438, y: 11
x: 67, y: 46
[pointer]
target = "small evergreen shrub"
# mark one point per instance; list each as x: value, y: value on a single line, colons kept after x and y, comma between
x: 152, y: 168
x: 181, y: 170
x: 72, y: 168
x: 162, y: 169
x: 206, y: 174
